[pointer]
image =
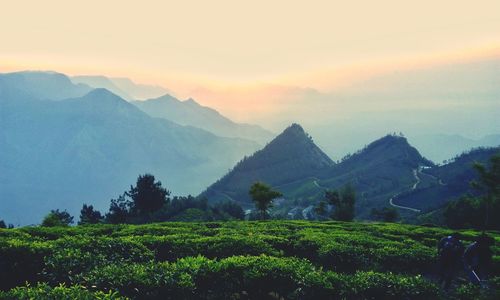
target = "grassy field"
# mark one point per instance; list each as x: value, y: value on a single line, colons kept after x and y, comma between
x: 230, y: 260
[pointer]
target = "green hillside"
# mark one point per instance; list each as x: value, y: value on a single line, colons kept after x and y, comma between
x: 295, y: 166
x: 230, y: 260
x: 447, y: 182
x: 291, y: 156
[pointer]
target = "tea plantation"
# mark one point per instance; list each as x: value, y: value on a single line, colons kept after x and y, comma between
x: 231, y: 260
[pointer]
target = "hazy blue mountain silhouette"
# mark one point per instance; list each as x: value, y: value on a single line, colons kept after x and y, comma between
x: 43, y: 85
x: 59, y: 154
x: 100, y: 81
x: 189, y: 112
x: 123, y: 87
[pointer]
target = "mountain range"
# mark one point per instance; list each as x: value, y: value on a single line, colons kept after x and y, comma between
x: 189, y: 112
x: 123, y: 87
x: 387, y: 172
x: 65, y: 142
x: 60, y: 154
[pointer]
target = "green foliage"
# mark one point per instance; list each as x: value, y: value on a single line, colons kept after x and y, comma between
x: 43, y: 291
x: 148, y: 202
x: 344, y: 203
x: 21, y: 259
x: 57, y: 218
x: 478, y: 212
x: 386, y: 214
x: 229, y: 260
x: 263, y: 196
x: 72, y: 256
x: 148, y: 195
x: 89, y: 216
x: 255, y: 277
x: 119, y: 210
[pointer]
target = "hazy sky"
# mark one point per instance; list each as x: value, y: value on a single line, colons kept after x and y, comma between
x: 237, y: 42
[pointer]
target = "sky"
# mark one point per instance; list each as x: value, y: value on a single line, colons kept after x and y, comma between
x: 222, y: 51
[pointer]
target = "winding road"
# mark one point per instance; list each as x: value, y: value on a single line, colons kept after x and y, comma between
x: 415, y: 174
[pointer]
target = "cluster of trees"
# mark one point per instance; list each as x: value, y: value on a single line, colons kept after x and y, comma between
x: 148, y: 201
x: 385, y: 214
x: 342, y: 200
x: 4, y: 225
x: 480, y: 212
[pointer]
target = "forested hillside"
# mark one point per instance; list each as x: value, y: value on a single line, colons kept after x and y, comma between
x: 447, y: 182
x: 291, y: 156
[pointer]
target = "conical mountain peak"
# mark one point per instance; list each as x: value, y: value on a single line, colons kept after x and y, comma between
x: 290, y: 156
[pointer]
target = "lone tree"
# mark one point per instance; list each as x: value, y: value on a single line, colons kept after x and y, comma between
x: 343, y: 201
x: 148, y: 196
x: 57, y: 218
x: 89, y: 216
x: 263, y: 196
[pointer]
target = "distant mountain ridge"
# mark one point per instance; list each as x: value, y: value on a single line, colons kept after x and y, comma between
x: 189, y: 112
x: 43, y: 85
x: 60, y: 154
x: 121, y: 86
x: 101, y: 82
x: 441, y: 147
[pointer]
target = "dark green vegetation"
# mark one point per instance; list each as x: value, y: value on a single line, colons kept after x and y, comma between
x: 290, y: 157
x: 343, y: 202
x: 391, y: 179
x: 294, y: 165
x: 480, y: 211
x: 57, y: 218
x: 263, y: 196
x: 442, y: 184
x: 230, y: 260
x: 148, y: 201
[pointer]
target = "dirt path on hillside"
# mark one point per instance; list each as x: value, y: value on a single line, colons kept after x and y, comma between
x: 413, y: 187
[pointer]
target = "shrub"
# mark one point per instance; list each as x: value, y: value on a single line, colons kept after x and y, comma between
x: 45, y: 292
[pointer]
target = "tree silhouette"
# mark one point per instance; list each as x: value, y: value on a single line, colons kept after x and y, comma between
x: 89, y: 216
x: 263, y: 196
x: 57, y: 218
x: 386, y: 214
x: 119, y: 210
x: 147, y: 196
x: 476, y: 212
x: 489, y: 184
x: 343, y: 201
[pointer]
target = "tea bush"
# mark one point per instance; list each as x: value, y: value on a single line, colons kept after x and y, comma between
x: 233, y: 260
x: 45, y: 292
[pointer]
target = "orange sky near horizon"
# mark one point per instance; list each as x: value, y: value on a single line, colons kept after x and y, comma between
x: 227, y: 52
